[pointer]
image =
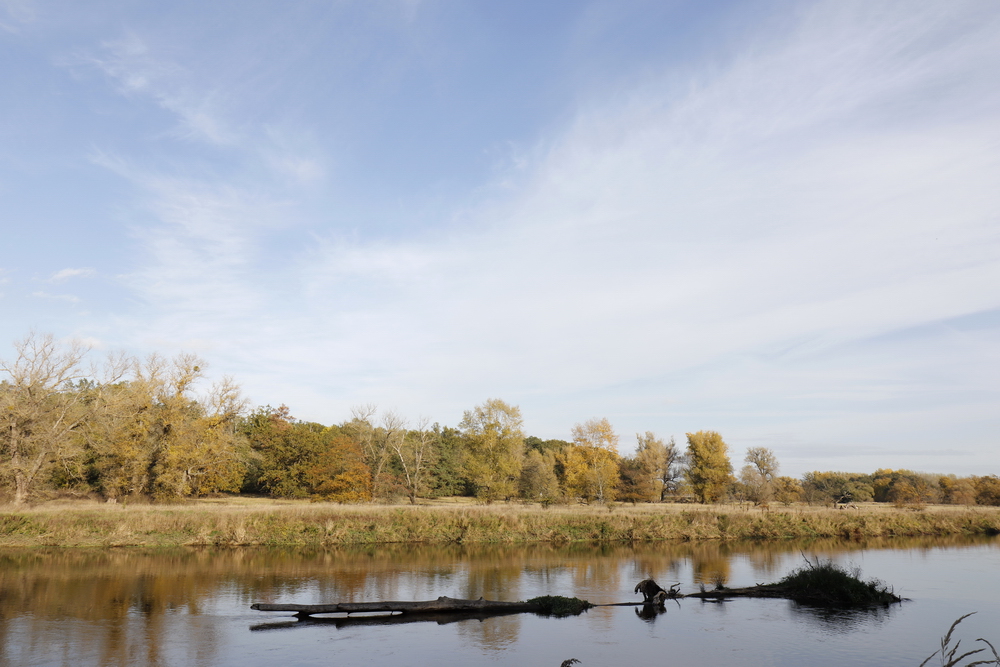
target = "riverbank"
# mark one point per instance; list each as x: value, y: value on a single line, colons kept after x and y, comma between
x: 241, y: 523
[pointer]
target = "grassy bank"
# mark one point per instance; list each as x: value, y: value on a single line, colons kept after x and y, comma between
x: 275, y: 524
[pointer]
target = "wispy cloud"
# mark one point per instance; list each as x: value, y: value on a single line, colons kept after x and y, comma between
x: 15, y: 13
x: 814, y: 193
x: 66, y: 274
x: 136, y: 71
x: 58, y: 297
x: 731, y: 245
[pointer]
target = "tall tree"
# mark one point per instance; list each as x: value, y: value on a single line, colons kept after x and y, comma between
x: 415, y: 453
x: 591, y: 463
x: 378, y: 438
x: 709, y: 469
x: 199, y: 448
x: 759, y: 474
x: 41, y: 404
x: 494, y: 433
x: 659, y: 464
x: 538, y: 480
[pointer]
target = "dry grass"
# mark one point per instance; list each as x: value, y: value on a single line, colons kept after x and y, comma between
x: 235, y: 521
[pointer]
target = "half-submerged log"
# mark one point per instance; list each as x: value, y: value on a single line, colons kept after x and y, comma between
x: 546, y: 605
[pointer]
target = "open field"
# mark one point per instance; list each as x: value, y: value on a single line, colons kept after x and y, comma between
x: 248, y: 521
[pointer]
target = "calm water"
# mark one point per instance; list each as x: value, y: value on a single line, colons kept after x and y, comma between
x: 192, y: 607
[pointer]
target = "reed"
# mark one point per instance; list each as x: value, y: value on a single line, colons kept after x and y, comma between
x: 276, y: 524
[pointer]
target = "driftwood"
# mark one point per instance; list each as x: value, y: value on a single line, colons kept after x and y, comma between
x: 442, y: 604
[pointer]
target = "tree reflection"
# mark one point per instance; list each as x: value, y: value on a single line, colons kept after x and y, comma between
x: 125, y: 606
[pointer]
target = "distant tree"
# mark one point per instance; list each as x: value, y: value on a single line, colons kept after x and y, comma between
x: 658, y: 465
x: 787, y: 490
x: 37, y: 413
x: 635, y: 484
x: 340, y: 473
x: 837, y: 487
x: 709, y: 471
x: 759, y: 474
x: 591, y: 463
x: 287, y: 451
x: 538, y: 481
x: 199, y: 449
x: 447, y: 473
x: 415, y: 453
x: 544, y: 446
x: 957, y: 491
x: 379, y: 437
x: 494, y: 437
x: 988, y: 490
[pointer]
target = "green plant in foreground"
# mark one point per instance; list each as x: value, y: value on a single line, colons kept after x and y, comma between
x: 948, y: 652
x: 828, y: 584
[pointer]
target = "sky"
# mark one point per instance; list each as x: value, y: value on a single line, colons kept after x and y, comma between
x: 778, y: 220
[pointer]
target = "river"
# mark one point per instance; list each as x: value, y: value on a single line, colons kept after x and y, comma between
x: 192, y: 606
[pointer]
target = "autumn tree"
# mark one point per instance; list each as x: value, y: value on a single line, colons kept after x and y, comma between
x: 45, y: 399
x: 120, y: 439
x: 787, y: 490
x: 957, y: 490
x: 591, y: 463
x: 494, y: 436
x: 661, y: 463
x: 340, y: 474
x: 199, y: 448
x: 378, y: 437
x: 759, y: 474
x: 709, y: 470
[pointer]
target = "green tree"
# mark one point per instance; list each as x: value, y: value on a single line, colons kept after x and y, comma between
x: 287, y: 452
x: 538, y: 481
x: 494, y: 436
x: 447, y: 473
x: 837, y: 487
x: 709, y: 471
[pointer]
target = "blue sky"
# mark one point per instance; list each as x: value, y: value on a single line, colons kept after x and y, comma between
x: 776, y: 220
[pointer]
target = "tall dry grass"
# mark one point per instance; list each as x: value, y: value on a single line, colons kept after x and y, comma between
x: 276, y: 524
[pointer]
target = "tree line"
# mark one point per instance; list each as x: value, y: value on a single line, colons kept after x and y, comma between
x: 146, y: 428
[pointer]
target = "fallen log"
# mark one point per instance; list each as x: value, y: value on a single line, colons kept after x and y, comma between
x: 438, y: 617
x: 546, y: 605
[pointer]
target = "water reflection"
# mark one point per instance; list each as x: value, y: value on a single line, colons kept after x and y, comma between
x: 131, y: 606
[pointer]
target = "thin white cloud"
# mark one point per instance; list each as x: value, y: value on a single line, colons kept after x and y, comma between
x: 57, y: 297
x: 16, y: 13
x: 67, y: 273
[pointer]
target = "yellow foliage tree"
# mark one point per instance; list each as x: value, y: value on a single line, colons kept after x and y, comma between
x: 591, y: 464
x: 341, y: 474
x: 494, y: 438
